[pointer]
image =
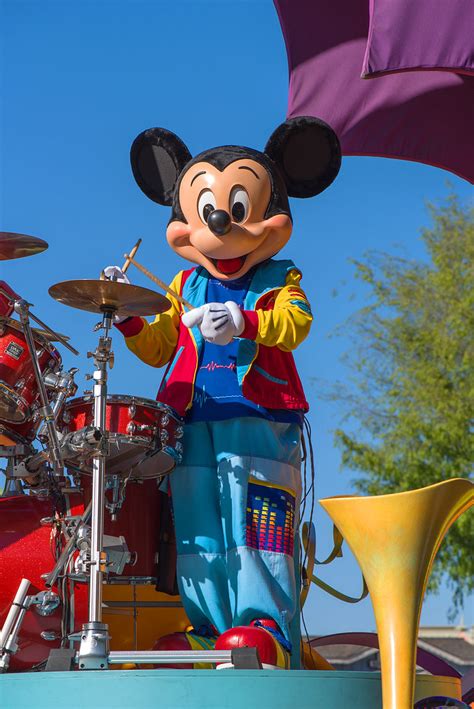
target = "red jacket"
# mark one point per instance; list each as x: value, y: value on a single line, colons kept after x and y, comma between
x: 277, y: 317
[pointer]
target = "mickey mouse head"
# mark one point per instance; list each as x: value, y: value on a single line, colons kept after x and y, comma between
x: 229, y: 204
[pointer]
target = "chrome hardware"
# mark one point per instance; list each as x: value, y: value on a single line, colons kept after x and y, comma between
x: 179, y: 433
x: 132, y: 410
x: 94, y: 649
x: 47, y: 602
x: 133, y: 428
x: 49, y: 635
x: 164, y: 436
x: 165, y: 419
x: 179, y: 448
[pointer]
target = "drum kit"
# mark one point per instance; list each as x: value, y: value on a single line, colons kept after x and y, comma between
x: 73, y: 466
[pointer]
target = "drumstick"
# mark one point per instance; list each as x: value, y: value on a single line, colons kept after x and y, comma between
x: 127, y: 262
x: 132, y: 255
x: 159, y: 282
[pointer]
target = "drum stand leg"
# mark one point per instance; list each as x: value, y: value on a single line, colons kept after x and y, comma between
x: 94, y: 649
x: 22, y: 308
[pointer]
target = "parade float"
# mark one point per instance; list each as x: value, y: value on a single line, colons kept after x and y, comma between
x: 94, y: 608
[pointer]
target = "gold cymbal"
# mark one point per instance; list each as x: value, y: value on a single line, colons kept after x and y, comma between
x: 97, y: 296
x: 19, y: 245
x: 51, y: 336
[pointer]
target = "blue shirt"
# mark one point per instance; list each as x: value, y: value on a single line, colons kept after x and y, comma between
x: 217, y: 394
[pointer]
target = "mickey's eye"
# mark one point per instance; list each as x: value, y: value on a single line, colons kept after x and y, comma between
x: 206, y: 204
x: 239, y: 204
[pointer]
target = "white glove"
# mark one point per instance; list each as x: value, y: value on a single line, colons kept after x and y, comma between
x: 115, y: 273
x: 218, y: 322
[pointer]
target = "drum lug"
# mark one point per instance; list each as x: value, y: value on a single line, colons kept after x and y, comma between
x: 179, y: 432
x: 133, y: 428
x: 20, y: 384
x: 164, y: 436
x: 165, y: 419
x: 46, y: 602
x: 132, y: 410
x: 49, y: 635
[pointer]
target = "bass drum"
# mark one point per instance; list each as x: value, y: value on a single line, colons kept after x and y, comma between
x: 142, y: 604
x: 137, y: 605
x: 25, y: 552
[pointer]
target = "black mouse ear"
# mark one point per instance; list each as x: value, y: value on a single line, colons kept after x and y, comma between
x: 307, y: 152
x: 158, y: 157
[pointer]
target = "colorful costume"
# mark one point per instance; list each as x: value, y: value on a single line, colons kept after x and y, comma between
x: 236, y: 494
x: 231, y: 372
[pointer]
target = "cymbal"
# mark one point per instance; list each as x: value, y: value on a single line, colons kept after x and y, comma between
x: 96, y: 296
x: 45, y: 334
x: 19, y: 245
x: 51, y: 336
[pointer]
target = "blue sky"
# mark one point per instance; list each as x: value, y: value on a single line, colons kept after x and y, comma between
x: 79, y: 81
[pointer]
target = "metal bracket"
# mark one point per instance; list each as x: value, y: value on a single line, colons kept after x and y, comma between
x: 246, y: 658
x: 94, y: 650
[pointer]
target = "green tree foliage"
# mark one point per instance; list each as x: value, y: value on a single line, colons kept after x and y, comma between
x: 410, y: 414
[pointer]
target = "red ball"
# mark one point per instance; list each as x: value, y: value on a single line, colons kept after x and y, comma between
x: 173, y: 641
x: 248, y: 636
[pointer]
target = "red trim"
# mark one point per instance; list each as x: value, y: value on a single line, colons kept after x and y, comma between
x: 130, y: 327
x: 250, y: 330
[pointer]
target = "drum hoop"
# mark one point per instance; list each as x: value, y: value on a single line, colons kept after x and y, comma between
x: 124, y: 438
x: 17, y: 399
x: 128, y: 400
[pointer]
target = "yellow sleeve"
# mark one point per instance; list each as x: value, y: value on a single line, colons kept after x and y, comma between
x: 156, y: 341
x: 288, y: 324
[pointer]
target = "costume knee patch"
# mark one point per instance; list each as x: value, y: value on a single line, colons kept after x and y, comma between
x: 270, y: 517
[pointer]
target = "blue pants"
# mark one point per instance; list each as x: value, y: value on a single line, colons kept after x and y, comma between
x: 236, y: 498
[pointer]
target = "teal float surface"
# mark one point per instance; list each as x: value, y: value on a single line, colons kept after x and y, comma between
x: 193, y: 689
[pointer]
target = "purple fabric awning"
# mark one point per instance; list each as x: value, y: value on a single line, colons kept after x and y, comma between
x: 425, y: 116
x: 420, y: 34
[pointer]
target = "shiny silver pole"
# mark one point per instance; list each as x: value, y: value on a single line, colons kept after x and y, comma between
x: 94, y: 649
x: 23, y: 309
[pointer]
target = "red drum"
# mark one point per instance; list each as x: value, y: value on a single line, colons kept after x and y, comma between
x: 144, y: 435
x: 9, y: 437
x: 7, y: 298
x: 19, y: 397
x: 26, y: 524
x: 25, y: 552
x: 142, y: 520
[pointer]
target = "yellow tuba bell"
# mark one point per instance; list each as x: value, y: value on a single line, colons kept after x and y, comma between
x: 395, y: 539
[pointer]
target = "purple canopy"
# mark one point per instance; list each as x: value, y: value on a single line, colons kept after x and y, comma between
x: 420, y: 34
x: 426, y: 116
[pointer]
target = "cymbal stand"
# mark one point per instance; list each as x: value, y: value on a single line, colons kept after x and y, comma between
x: 22, y: 308
x: 94, y: 649
x: 39, y: 322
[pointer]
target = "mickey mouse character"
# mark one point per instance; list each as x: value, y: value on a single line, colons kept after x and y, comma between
x: 231, y: 374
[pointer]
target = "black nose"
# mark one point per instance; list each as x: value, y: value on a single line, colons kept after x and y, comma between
x: 219, y: 222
